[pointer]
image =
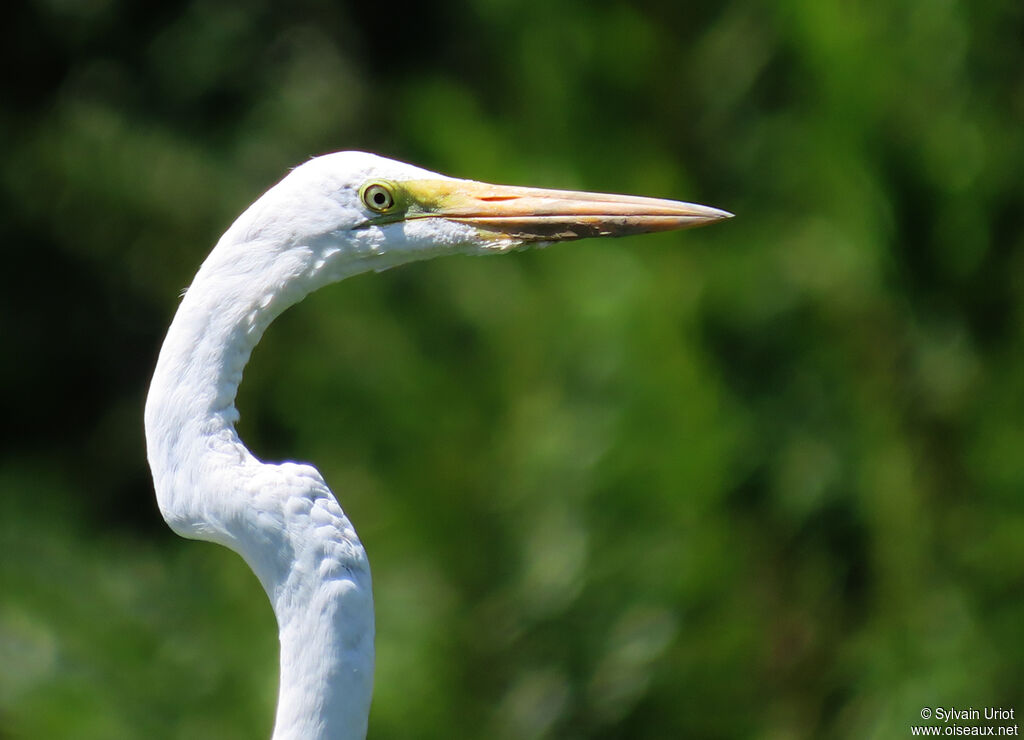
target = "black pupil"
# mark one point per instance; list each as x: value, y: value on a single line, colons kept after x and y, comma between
x: 380, y: 198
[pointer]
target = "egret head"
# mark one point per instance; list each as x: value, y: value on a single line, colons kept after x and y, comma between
x: 351, y: 211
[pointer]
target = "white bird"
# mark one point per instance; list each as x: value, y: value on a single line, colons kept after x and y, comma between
x: 335, y: 216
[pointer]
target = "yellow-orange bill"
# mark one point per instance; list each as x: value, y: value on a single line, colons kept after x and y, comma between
x: 533, y: 214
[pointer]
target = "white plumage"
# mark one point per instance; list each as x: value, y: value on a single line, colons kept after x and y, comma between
x: 335, y: 216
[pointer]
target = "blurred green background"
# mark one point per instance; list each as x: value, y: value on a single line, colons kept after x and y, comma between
x: 761, y: 480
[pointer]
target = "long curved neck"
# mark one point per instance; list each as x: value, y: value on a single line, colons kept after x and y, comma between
x: 282, y: 519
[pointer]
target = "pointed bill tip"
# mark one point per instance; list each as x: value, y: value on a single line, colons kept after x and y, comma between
x: 717, y: 214
x: 700, y: 215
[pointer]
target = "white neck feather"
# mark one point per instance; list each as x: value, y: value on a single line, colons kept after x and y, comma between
x: 282, y: 519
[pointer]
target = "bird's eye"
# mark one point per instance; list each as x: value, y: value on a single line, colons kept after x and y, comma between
x: 377, y: 196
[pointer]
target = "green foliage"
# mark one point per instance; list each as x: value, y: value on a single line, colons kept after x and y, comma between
x: 759, y: 480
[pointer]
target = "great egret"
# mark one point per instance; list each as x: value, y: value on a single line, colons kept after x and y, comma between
x: 334, y: 216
